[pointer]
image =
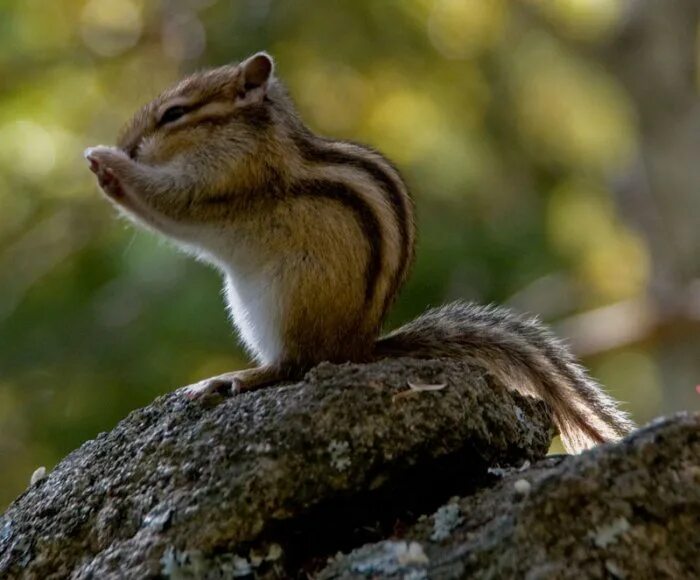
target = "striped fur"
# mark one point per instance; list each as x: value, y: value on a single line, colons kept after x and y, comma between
x: 525, y: 356
x: 362, y: 212
x: 323, y: 151
x: 315, y: 238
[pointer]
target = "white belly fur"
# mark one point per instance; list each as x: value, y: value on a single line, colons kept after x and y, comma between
x: 251, y: 289
x: 256, y: 312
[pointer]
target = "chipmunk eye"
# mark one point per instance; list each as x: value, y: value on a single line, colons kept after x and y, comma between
x: 173, y: 114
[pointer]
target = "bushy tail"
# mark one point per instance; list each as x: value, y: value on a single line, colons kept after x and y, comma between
x: 525, y: 356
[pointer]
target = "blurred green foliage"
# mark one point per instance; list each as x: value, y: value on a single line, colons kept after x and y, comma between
x: 508, y: 140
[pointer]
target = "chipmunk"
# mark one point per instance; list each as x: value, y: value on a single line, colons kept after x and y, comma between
x: 314, y: 237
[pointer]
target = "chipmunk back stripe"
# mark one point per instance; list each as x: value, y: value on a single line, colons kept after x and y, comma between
x: 363, y: 212
x: 312, y: 149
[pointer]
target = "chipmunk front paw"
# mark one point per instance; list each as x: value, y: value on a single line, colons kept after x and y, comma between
x: 105, y: 163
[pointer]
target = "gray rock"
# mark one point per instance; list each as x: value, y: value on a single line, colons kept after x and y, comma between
x: 630, y: 510
x: 275, y: 481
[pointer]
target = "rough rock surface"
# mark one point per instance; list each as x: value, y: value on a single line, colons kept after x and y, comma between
x: 630, y: 510
x: 277, y: 480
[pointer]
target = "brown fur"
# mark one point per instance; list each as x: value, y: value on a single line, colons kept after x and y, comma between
x: 525, y: 356
x: 315, y: 238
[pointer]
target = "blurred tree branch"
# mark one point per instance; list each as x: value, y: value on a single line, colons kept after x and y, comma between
x: 629, y: 322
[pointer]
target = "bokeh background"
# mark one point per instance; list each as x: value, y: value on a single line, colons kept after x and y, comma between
x: 552, y: 146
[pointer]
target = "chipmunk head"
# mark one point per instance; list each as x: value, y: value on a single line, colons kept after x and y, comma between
x: 221, y: 111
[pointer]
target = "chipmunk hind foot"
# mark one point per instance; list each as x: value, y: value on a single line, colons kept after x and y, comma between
x: 236, y: 382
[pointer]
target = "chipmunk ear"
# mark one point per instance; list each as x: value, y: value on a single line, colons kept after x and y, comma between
x: 255, y: 74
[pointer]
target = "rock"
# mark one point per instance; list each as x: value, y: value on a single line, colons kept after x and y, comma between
x: 275, y: 481
x: 630, y: 510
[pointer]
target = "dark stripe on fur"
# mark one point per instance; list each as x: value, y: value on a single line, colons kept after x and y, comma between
x: 561, y: 359
x: 352, y: 200
x: 312, y: 150
x: 487, y: 351
x: 489, y: 335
